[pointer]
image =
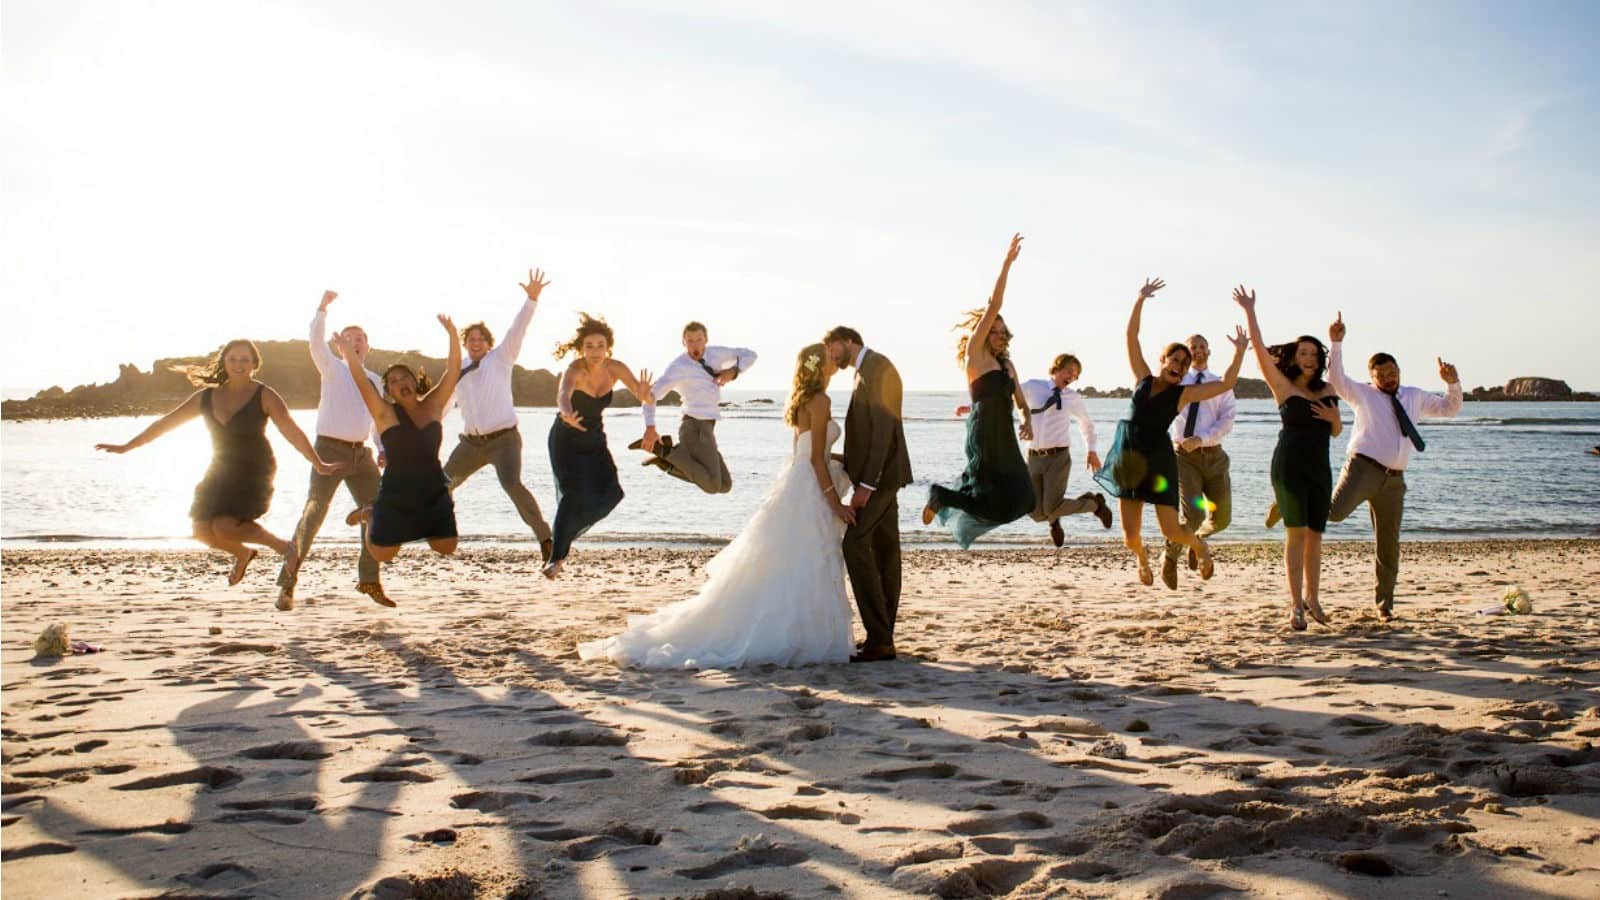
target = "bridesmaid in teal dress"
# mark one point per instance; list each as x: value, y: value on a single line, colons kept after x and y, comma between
x: 995, y: 488
x: 1141, y: 466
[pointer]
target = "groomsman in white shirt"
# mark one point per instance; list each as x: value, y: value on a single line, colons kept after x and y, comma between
x: 698, y: 376
x: 1385, y: 436
x: 1055, y: 405
x: 489, y: 434
x: 343, y: 425
x: 1205, y: 490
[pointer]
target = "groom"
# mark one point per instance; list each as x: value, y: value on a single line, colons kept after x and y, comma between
x: 875, y: 458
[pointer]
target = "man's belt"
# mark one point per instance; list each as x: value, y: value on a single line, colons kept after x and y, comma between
x: 1204, y: 449
x: 1048, y: 451
x: 485, y: 438
x: 353, y: 445
x: 1386, y: 470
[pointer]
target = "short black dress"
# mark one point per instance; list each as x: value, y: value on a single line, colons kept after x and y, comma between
x: 414, y: 496
x: 1302, y: 482
x: 1141, y: 464
x: 239, y: 481
x: 587, y: 489
x: 995, y: 488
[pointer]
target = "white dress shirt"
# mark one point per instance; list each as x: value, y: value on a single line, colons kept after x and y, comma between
x: 1051, y: 426
x: 484, y: 394
x: 700, y: 392
x: 1377, y: 433
x: 341, y: 413
x: 1215, y: 420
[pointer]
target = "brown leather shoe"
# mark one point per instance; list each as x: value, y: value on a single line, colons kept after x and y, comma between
x: 874, y: 653
x: 1101, y: 510
x: 1194, y: 560
x: 1058, y: 536
x: 545, y: 546
x: 375, y: 590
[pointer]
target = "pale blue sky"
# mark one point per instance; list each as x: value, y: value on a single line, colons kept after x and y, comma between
x: 179, y: 173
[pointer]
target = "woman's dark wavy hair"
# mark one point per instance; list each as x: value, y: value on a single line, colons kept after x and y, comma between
x: 214, y: 372
x: 1283, y: 355
x: 587, y: 325
x: 419, y: 374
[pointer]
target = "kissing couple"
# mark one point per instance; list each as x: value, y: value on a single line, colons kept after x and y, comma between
x: 775, y: 594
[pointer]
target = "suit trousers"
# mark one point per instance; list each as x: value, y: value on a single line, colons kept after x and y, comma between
x: 360, y: 477
x: 504, y: 452
x: 695, y: 457
x: 1203, y: 474
x: 1050, y: 475
x: 1385, y: 496
x: 872, y: 559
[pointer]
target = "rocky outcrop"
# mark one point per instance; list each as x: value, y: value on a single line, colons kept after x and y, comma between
x: 1532, y: 389
x: 285, y: 365
x: 1246, y: 389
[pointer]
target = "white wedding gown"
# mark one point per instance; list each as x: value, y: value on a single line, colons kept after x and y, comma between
x: 775, y: 594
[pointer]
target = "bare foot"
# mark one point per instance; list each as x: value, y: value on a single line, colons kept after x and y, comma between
x: 359, y: 515
x: 1208, y: 566
x: 375, y: 590
x: 291, y: 560
x: 1314, y: 609
x: 1297, y: 618
x: 552, y: 570
x: 1146, y: 577
x: 240, y: 563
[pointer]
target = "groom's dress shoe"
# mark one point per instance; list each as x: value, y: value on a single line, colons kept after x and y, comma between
x: 662, y: 448
x: 874, y: 653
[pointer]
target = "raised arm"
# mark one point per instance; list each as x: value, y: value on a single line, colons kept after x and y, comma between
x: 1280, y: 385
x: 321, y: 356
x: 730, y: 362
x: 382, y: 415
x: 1136, y: 361
x: 1194, y: 393
x: 185, y: 411
x: 438, y: 399
x: 278, y: 412
x: 641, y: 387
x: 1341, y: 383
x: 1435, y: 406
x: 978, y: 341
x: 511, y: 345
x: 818, y: 411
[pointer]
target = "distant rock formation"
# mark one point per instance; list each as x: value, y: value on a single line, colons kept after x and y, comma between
x: 285, y: 365
x: 1532, y: 389
x: 1246, y: 389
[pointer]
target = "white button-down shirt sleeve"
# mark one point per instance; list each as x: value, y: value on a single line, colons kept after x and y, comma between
x: 1440, y: 406
x: 321, y: 355
x: 341, y: 412
x: 725, y: 358
x: 1077, y: 409
x: 510, y: 346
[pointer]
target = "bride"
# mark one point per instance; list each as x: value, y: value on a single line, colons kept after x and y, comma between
x: 775, y: 594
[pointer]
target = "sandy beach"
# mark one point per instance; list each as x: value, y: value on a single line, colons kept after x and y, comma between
x: 1052, y: 728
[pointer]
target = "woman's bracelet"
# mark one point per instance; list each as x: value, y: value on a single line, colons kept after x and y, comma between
x: 831, y: 490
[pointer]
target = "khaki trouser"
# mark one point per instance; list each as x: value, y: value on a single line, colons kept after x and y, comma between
x: 360, y: 477
x: 503, y: 451
x: 1385, y: 496
x: 695, y: 457
x: 1203, y: 473
x: 1050, y: 473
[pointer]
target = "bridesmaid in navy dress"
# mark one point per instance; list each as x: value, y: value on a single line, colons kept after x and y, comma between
x: 1142, y: 466
x: 414, y: 496
x: 1302, y: 482
x: 237, y: 488
x: 587, y: 489
x: 995, y: 487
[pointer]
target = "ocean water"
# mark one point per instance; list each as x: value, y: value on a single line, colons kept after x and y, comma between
x: 1498, y: 470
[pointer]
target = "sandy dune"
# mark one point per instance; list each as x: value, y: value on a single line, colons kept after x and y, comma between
x: 1052, y: 729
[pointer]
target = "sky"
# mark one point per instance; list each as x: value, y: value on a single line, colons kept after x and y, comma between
x: 175, y: 174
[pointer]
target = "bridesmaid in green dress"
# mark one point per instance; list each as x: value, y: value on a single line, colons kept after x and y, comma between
x: 996, y: 487
x: 1141, y: 466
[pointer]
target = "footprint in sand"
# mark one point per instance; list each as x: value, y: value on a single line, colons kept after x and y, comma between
x: 566, y: 776
x: 1023, y: 821
x: 48, y: 848
x: 492, y: 801
x: 213, y: 778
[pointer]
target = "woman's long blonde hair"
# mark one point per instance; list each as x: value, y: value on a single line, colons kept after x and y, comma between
x: 587, y: 325
x: 809, y: 367
x: 969, y: 320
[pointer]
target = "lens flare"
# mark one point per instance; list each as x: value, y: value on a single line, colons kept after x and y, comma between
x: 1160, y: 484
x: 1204, y: 504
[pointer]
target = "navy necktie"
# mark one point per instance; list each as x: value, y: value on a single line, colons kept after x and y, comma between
x: 467, y: 369
x: 707, y: 366
x: 1194, y: 410
x: 1406, y: 428
x: 1055, y: 400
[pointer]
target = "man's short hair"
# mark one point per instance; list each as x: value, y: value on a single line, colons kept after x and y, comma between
x: 1191, y: 339
x: 488, y: 336
x: 843, y: 333
x: 1379, y: 359
x: 695, y: 326
x: 1064, y: 360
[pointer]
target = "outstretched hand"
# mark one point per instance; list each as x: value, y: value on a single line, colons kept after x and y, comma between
x: 1015, y: 249
x: 1336, y: 330
x: 643, y: 385
x: 1151, y: 285
x: 573, y: 420
x: 340, y: 342
x: 1447, y: 371
x: 1025, y: 431
x: 1244, y: 298
x: 1239, y: 340
x: 449, y: 325
x: 329, y: 468
x: 1093, y: 462
x: 113, y: 448
x: 327, y: 298
x: 536, y: 283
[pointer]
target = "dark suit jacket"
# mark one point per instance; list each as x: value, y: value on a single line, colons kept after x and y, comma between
x: 874, y: 437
